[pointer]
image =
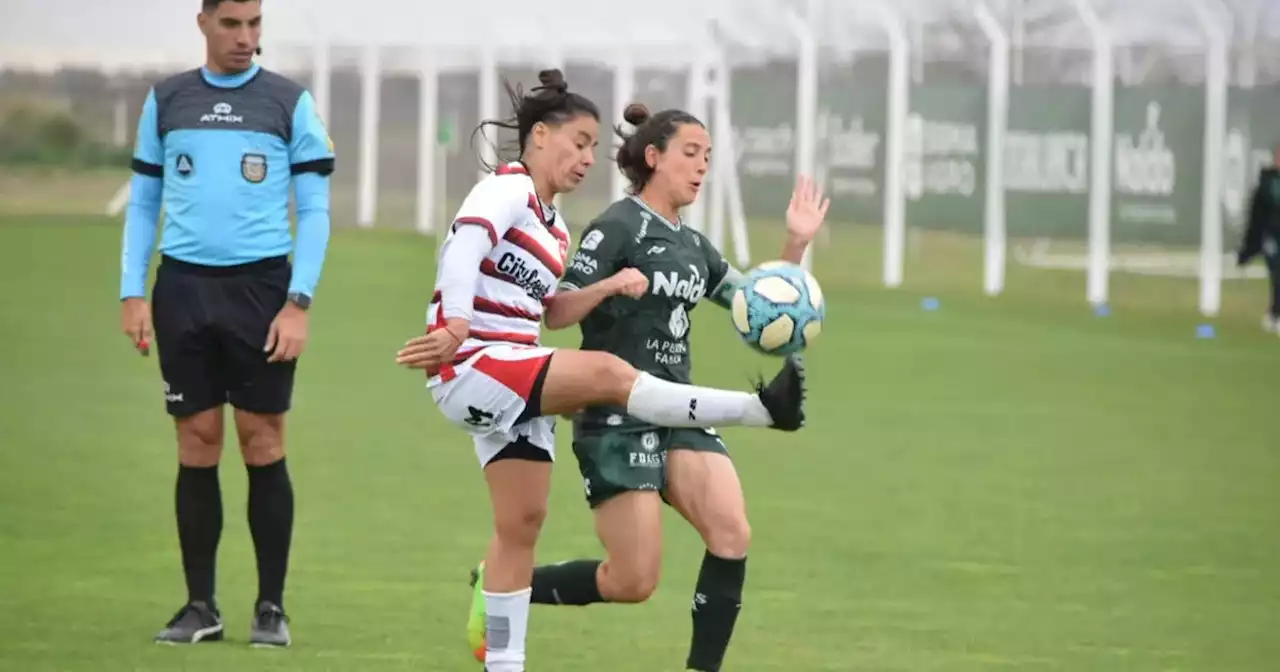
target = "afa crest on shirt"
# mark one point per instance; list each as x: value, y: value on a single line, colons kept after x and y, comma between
x: 253, y: 168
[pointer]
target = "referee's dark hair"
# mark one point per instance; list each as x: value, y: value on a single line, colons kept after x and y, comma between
x: 550, y: 103
x: 211, y: 5
x: 656, y: 130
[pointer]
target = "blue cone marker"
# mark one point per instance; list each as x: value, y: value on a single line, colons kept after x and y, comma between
x: 1205, y: 331
x: 929, y: 303
x: 1102, y: 310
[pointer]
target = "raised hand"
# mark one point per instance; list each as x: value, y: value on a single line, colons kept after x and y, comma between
x: 806, y: 212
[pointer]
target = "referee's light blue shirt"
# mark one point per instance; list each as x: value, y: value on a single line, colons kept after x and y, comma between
x: 220, y: 153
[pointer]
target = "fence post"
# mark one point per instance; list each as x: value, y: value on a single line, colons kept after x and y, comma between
x: 1101, y: 137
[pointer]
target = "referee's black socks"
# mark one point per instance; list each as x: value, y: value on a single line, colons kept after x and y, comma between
x: 716, y: 602
x: 198, y: 501
x: 271, y: 524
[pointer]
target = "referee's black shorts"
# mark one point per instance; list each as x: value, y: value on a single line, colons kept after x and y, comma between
x: 211, y: 326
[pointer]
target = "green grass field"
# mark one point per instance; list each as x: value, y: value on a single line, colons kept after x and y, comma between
x: 1002, y: 484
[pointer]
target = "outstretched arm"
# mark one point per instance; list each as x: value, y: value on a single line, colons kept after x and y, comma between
x: 730, y: 281
x: 596, y: 272
x: 793, y: 249
x: 804, y: 218
x: 805, y: 213
x: 570, y: 306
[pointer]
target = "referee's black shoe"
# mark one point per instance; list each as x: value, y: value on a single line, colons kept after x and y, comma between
x: 270, y: 626
x: 784, y: 396
x: 195, y: 622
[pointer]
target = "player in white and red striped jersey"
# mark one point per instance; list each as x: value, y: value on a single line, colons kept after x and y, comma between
x: 488, y: 373
x: 518, y: 275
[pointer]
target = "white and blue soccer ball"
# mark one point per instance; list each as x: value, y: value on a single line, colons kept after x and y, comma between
x: 778, y: 309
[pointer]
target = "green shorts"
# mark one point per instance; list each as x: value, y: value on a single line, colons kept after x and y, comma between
x: 615, y: 462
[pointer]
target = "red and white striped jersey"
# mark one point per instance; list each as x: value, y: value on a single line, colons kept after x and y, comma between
x: 519, y: 275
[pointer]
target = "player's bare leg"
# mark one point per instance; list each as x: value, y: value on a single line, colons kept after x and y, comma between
x: 198, y: 502
x: 630, y: 528
x: 578, y: 378
x: 704, y: 487
x: 270, y: 511
x: 518, y: 490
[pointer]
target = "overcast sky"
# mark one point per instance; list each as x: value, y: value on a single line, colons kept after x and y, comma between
x: 151, y: 31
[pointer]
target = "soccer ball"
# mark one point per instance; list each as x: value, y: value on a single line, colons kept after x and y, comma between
x: 778, y: 310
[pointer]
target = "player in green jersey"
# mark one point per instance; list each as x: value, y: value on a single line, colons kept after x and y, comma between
x: 630, y: 466
x: 488, y: 374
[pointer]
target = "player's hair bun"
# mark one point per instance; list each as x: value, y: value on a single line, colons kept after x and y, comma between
x: 553, y: 80
x: 647, y: 131
x: 549, y: 103
x: 636, y: 114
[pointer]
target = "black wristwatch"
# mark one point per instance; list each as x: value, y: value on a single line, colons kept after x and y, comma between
x: 300, y: 300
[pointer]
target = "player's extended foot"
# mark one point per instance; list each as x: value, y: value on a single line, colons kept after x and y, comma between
x: 195, y: 622
x: 475, y: 620
x: 784, y: 396
x: 270, y: 626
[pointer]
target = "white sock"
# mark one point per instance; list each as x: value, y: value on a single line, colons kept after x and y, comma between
x: 506, y: 622
x: 668, y: 404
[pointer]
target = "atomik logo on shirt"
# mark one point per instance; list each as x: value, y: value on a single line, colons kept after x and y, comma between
x: 222, y: 115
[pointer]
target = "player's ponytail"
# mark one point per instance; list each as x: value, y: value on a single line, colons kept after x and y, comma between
x: 551, y: 102
x: 654, y: 130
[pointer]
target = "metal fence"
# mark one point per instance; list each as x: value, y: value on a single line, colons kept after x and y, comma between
x: 1163, y: 127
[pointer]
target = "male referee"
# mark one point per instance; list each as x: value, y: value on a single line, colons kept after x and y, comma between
x: 1262, y: 235
x: 220, y: 146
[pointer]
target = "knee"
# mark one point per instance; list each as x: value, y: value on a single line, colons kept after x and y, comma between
x: 613, y: 373
x: 262, y: 449
x: 630, y: 583
x: 521, y: 528
x: 200, y: 439
x: 728, y: 537
x: 261, y: 438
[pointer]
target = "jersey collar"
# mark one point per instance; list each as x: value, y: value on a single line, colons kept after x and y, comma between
x: 664, y: 220
x: 546, y: 213
x: 512, y: 168
x: 229, y: 81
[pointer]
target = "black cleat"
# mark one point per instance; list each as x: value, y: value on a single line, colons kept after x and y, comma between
x: 270, y: 626
x: 784, y: 396
x: 195, y: 622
